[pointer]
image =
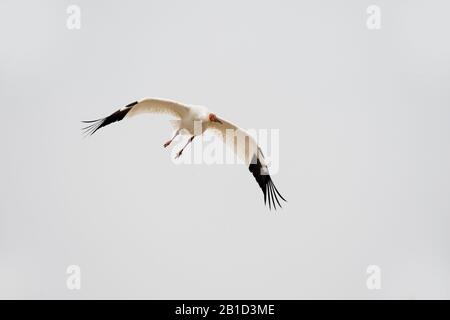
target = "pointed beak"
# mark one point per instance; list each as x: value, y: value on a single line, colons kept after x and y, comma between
x: 217, y: 120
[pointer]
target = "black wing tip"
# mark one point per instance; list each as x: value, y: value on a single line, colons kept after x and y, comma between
x: 94, y: 125
x: 271, y: 193
x: 131, y: 104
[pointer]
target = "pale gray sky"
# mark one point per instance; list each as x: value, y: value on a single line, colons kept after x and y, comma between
x: 363, y: 117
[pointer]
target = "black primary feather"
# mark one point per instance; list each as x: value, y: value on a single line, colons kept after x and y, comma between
x: 94, y: 125
x: 265, y: 182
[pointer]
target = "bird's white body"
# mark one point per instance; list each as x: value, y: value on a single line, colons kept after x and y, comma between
x: 195, y: 115
x: 194, y: 120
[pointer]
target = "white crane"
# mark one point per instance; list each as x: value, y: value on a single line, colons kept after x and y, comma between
x: 186, y: 116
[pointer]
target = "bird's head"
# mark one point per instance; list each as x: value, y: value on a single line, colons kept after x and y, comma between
x: 213, y: 118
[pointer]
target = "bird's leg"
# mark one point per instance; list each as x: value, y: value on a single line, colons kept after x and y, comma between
x: 181, y: 151
x: 170, y: 141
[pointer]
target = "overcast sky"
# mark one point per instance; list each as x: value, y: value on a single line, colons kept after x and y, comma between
x: 363, y: 119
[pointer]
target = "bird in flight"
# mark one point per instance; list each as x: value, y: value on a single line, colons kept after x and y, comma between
x: 187, y: 116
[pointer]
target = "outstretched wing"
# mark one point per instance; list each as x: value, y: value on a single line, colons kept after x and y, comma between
x: 246, y: 148
x: 151, y: 105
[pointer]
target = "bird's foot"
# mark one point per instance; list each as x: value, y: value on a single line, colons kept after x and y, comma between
x: 178, y: 154
x: 167, y: 143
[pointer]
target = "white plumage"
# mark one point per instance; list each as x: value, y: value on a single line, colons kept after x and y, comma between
x: 187, y: 119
